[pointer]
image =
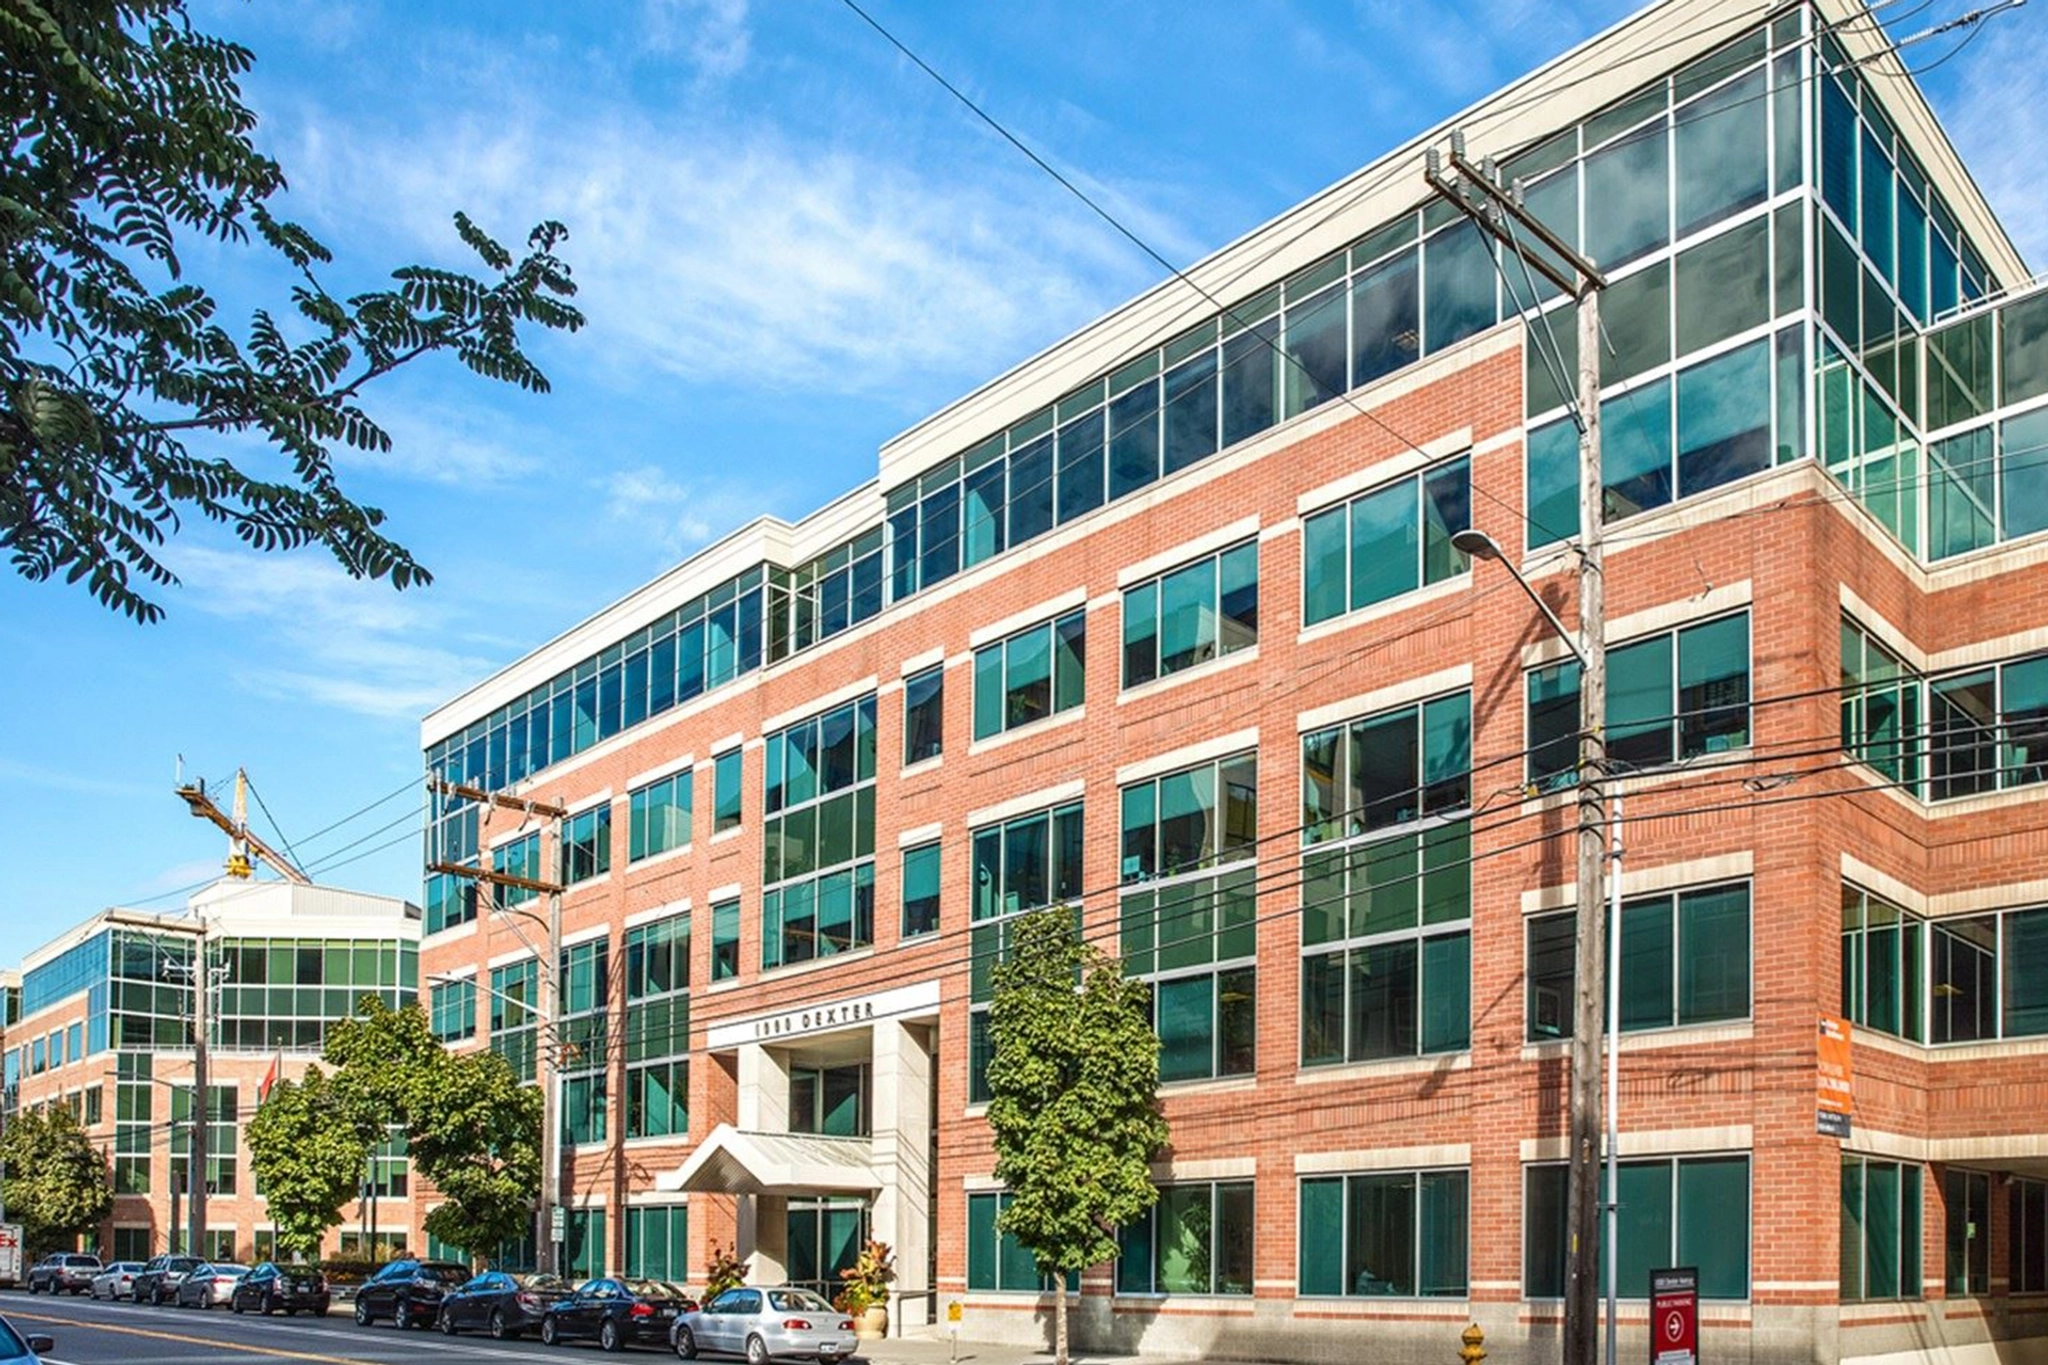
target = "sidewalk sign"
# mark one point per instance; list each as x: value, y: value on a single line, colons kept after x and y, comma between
x: 1675, y: 1317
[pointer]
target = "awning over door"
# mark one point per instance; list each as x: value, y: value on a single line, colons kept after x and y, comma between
x: 730, y: 1161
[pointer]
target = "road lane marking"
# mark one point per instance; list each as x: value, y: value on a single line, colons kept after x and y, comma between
x: 213, y: 1342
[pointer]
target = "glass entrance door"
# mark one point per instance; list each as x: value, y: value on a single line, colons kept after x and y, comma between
x: 825, y: 1237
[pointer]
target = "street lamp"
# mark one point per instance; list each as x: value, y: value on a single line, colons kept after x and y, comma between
x: 1591, y: 972
x: 1479, y: 545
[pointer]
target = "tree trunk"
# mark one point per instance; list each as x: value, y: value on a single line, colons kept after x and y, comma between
x: 1059, y: 1320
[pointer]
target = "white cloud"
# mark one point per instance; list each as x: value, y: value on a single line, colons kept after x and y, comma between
x: 675, y: 516
x: 472, y: 446
x: 312, y: 635
x: 728, y: 252
x: 713, y: 34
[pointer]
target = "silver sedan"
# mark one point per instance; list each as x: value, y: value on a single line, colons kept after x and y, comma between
x: 117, y: 1281
x: 773, y: 1323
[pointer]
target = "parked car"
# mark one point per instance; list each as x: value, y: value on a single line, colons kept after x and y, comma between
x: 116, y: 1281
x: 209, y: 1285
x: 500, y: 1302
x: 63, y: 1272
x: 615, y: 1312
x: 158, y: 1282
x: 773, y: 1323
x: 20, y: 1347
x: 408, y: 1292
x: 273, y: 1288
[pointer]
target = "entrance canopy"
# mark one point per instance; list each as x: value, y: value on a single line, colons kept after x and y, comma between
x: 731, y: 1161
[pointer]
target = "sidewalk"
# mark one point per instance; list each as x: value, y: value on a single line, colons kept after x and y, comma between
x: 931, y: 1346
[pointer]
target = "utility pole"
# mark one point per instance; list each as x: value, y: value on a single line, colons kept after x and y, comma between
x: 1500, y: 213
x: 546, y: 1053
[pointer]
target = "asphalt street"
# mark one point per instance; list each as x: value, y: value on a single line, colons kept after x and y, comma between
x: 93, y: 1333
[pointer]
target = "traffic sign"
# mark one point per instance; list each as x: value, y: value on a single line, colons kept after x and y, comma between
x: 1675, y: 1316
x: 558, y: 1224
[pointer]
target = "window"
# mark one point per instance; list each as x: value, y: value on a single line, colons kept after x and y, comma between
x: 658, y: 1243
x: 390, y: 1170
x: 1386, y: 901
x: 583, y: 1244
x: 134, y: 1106
x: 1988, y: 729
x: 1880, y: 1229
x: 1884, y: 969
x: 1689, y: 1211
x: 830, y: 1101
x: 658, y: 1027
x: 2026, y: 1237
x: 1685, y: 959
x: 725, y: 940
x: 1966, y: 1196
x: 515, y: 1017
x: 1188, y: 927
x: 1390, y: 541
x: 658, y: 817
x: 1034, y: 674
x: 705, y: 643
x: 1196, y: 1240
x: 1387, y: 769
x: 818, y: 841
x: 451, y: 900
x: 996, y: 1260
x: 587, y: 845
x: 725, y: 792
x: 924, y: 715
x: 1401, y: 1233
x: 453, y: 1009
x: 920, y: 890
x: 1025, y: 863
x: 1669, y: 697
x: 1198, y: 612
x: 584, y: 979
x: 1880, y: 705
x: 223, y: 1124
x: 518, y: 858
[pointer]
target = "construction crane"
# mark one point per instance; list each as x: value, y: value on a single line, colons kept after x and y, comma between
x: 243, y: 845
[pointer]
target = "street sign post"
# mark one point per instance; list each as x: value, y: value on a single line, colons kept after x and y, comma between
x: 1675, y: 1316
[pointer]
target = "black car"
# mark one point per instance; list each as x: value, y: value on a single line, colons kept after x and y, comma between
x: 408, y: 1292
x: 616, y: 1312
x: 505, y: 1304
x: 158, y: 1282
x: 274, y: 1288
x: 61, y: 1272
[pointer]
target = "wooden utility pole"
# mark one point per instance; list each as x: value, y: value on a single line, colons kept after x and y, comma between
x: 1499, y: 211
x: 548, y: 1070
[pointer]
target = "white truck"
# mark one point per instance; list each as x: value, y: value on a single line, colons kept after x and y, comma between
x: 10, y: 1255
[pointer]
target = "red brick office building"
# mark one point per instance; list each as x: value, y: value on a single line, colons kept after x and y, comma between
x: 1166, y: 623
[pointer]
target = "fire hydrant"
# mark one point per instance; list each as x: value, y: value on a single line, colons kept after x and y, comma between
x: 1474, y: 1349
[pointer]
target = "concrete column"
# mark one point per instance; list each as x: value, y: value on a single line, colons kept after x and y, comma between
x: 762, y: 1105
x: 902, y: 1131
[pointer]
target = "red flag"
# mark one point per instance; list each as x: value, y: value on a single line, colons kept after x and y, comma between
x: 270, y: 1077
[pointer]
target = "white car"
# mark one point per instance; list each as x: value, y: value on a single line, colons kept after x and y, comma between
x: 116, y: 1281
x: 780, y: 1322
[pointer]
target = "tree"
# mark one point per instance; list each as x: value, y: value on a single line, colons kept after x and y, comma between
x: 126, y: 132
x: 1073, y: 1098
x: 308, y: 1146
x: 57, y: 1184
x: 472, y: 1129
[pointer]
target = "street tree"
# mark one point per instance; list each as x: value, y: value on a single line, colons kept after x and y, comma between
x: 308, y: 1146
x: 1073, y: 1098
x: 56, y: 1183
x: 472, y: 1130
x: 122, y: 390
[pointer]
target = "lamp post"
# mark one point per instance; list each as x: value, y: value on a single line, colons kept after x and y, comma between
x: 1594, y: 888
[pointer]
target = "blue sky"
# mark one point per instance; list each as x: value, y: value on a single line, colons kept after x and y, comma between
x: 791, y: 246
